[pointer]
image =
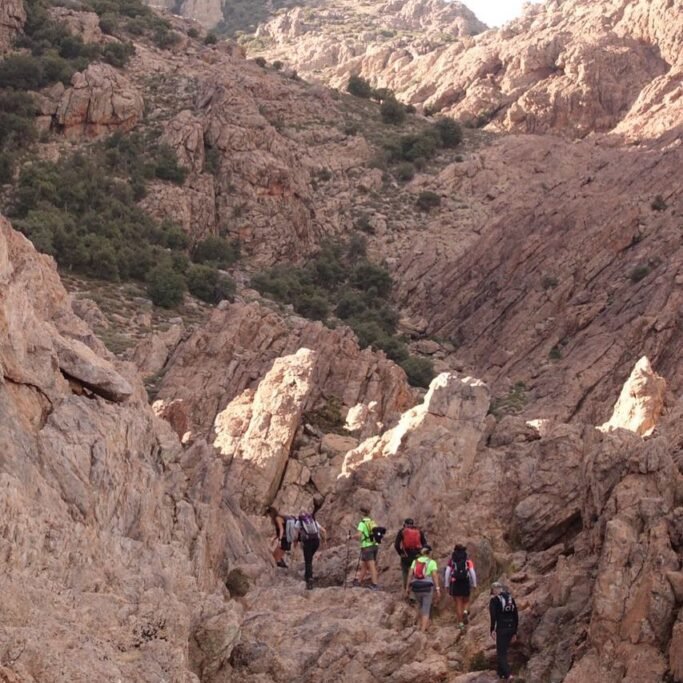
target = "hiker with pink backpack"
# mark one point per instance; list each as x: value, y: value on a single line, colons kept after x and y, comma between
x: 460, y: 578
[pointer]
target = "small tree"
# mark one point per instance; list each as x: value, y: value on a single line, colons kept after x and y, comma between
x: 359, y: 87
x: 216, y: 251
x: 167, y: 166
x: 393, y: 111
x: 428, y: 200
x: 449, y: 131
x: 420, y: 371
x: 165, y: 286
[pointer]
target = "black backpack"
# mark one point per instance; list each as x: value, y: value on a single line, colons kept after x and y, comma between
x: 459, y: 571
x: 508, y: 611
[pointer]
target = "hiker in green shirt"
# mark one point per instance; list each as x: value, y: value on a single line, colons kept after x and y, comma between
x: 368, y: 551
x: 424, y: 582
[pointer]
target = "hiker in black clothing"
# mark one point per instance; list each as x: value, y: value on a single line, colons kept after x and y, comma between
x: 504, y: 621
x: 309, y: 534
x: 409, y: 541
x: 284, y: 544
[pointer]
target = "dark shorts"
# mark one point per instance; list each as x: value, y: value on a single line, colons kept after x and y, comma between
x: 369, y: 554
x: 285, y: 544
x: 460, y: 589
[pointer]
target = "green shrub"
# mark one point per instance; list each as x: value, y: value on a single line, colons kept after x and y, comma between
x: 363, y: 224
x: 420, y: 371
x: 6, y: 167
x: 449, y: 131
x: 207, y: 284
x: 392, y: 112
x: 383, y: 94
x: 211, y: 39
x: 167, y: 166
x: 405, y: 171
x: 212, y: 160
x: 165, y: 286
x: 549, y: 282
x: 261, y: 61
x: 658, y: 203
x: 277, y: 65
x: 427, y: 200
x: 22, y: 72
x: 410, y: 109
x: 192, y: 32
x: 164, y: 38
x: 555, y: 353
x: 216, y: 251
x: 359, y: 87
x: 640, y: 272
x: 118, y: 54
x: 369, y: 277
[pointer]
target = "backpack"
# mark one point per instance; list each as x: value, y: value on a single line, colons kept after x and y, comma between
x: 308, y: 528
x: 373, y: 533
x: 508, y: 611
x: 419, y: 571
x: 420, y: 581
x: 412, y: 540
x: 459, y: 568
x: 291, y: 532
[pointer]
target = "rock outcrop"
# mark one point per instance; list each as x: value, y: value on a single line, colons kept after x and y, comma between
x: 240, y: 342
x: 100, y: 101
x: 256, y: 431
x: 105, y: 552
x: 641, y: 401
x: 12, y: 18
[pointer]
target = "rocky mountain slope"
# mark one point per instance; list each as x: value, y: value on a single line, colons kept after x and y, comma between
x: 569, y: 67
x: 135, y: 546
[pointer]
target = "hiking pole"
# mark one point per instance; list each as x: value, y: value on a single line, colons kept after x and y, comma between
x: 346, y: 561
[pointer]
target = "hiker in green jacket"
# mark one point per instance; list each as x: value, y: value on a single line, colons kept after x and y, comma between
x: 424, y: 583
x: 368, y: 551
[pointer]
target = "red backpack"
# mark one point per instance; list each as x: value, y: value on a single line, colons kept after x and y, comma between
x: 419, y: 571
x: 412, y: 539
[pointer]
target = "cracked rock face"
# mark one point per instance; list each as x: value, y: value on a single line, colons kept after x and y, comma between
x: 12, y: 18
x: 100, y: 101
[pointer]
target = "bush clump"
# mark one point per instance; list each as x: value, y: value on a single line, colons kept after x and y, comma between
x: 392, y: 111
x: 83, y: 211
x: 359, y: 87
x: 165, y: 286
x: 340, y: 280
x: 167, y: 166
x: 208, y: 284
x: 450, y: 132
x: 427, y: 200
x: 216, y: 251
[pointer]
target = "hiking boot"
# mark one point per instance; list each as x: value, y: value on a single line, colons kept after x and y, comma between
x: 466, y: 617
x: 374, y: 587
x: 281, y: 563
x: 461, y: 626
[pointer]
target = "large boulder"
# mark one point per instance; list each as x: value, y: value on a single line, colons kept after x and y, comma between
x: 256, y: 434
